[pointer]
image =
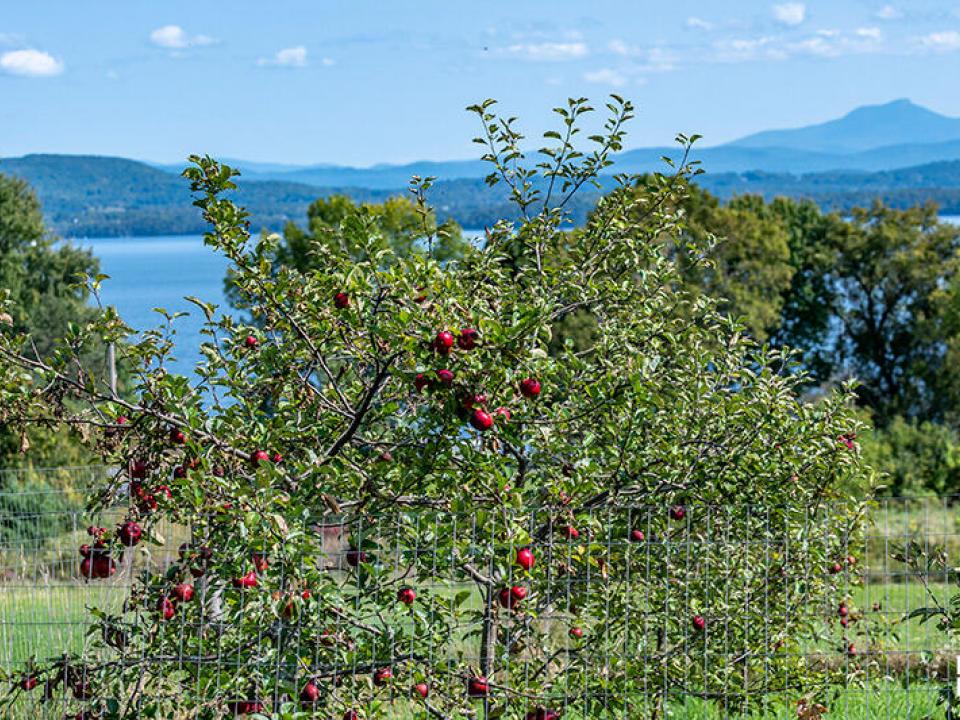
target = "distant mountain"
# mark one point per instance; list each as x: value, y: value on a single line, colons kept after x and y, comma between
x: 900, y: 122
x: 870, y: 138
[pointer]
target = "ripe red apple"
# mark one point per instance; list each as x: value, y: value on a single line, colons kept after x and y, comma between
x: 244, y: 707
x: 851, y: 649
x: 530, y: 387
x: 406, y: 596
x: 502, y: 412
x: 177, y: 436
x: 478, y: 687
x: 467, y: 339
x: 851, y: 560
x: 576, y: 633
x: 382, y: 676
x: 305, y: 594
x: 166, y: 608
x: 138, y: 470
x: 355, y: 557
x: 844, y: 622
x: 103, y: 566
x: 250, y: 341
x: 443, y: 342
x: 258, y: 456
x: 421, y: 381
x: 678, y: 512
x: 480, y: 419
x: 260, y: 561
x: 569, y: 532
x: 836, y: 568
x: 842, y: 610
x: 525, y: 558
x: 180, y: 472
x: 699, y: 623
x: 543, y: 714
x: 310, y: 692
x: 474, y: 400
x: 29, y: 682
x: 350, y: 715
x: 341, y: 301
x: 129, y: 533
x: 422, y: 689
x: 637, y: 535
x: 445, y: 377
x: 276, y: 458
x: 183, y: 592
x: 86, y: 568
x: 505, y: 598
x: 519, y: 593
x: 247, y: 581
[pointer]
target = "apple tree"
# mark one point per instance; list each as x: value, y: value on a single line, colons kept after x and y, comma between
x: 400, y: 504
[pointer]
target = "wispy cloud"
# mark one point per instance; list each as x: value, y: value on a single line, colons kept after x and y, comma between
x: 174, y: 37
x: 697, y: 23
x: 791, y: 13
x: 606, y: 76
x: 30, y: 63
x: 889, y: 12
x: 869, y: 33
x: 943, y: 41
x: 295, y: 57
x: 548, y: 51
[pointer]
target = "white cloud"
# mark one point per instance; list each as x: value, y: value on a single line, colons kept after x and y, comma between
x: 619, y: 47
x: 869, y: 33
x: 699, y: 23
x: 328, y: 62
x: 30, y: 63
x: 889, y: 12
x: 548, y: 51
x: 791, y: 13
x: 174, y: 37
x: 606, y: 76
x: 944, y: 41
x: 289, y: 57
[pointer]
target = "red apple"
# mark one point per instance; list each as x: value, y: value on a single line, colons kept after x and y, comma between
x: 341, y: 301
x: 355, y: 557
x: 29, y: 682
x: 445, y: 377
x: 421, y: 381
x: 478, y: 687
x: 678, y: 512
x: 480, y: 419
x: 502, y: 412
x: 570, y: 532
x: 183, y: 592
x: 406, y: 596
x: 525, y: 558
x: 543, y: 714
x: 475, y: 400
x: 637, y: 535
x: 576, y: 633
x: 851, y: 560
x: 844, y: 622
x: 836, y: 568
x: 310, y: 692
x: 443, y: 342
x: 422, y: 689
x: 166, y: 608
x: 177, y: 436
x: 530, y: 387
x: 305, y: 594
x: 103, y: 566
x: 260, y: 561
x: 467, y: 339
x: 276, y: 458
x: 350, y: 715
x: 699, y: 623
x: 138, y: 470
x: 250, y: 341
x: 180, y: 472
x: 842, y: 610
x: 258, y: 456
x: 382, y: 676
x: 247, y: 581
x: 851, y: 649
x: 129, y: 533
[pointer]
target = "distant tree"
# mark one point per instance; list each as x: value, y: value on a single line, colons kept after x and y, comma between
x: 40, y: 276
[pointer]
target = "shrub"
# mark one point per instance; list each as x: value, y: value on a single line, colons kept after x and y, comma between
x: 397, y: 424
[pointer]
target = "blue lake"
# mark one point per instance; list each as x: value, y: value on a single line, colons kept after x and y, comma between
x: 146, y: 273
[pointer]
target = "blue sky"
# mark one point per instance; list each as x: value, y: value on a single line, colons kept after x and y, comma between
x: 360, y: 82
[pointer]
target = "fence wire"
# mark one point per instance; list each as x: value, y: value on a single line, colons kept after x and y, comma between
x: 876, y: 660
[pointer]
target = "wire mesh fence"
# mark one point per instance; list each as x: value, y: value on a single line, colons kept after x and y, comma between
x: 693, y: 612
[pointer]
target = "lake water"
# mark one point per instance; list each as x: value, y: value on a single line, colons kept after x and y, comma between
x: 146, y: 273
